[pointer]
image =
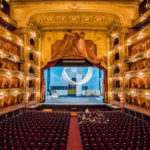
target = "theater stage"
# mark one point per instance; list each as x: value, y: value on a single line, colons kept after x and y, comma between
x: 74, y: 106
x: 76, y: 100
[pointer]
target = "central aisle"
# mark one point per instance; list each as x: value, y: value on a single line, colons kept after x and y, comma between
x: 74, y: 141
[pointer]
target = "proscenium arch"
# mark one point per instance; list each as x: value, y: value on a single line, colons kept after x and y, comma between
x: 121, y: 18
x: 127, y: 11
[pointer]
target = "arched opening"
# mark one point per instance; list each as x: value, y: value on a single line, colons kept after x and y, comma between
x: 31, y: 56
x: 31, y: 83
x: 116, y: 41
x: 71, y: 51
x: 0, y: 65
x: 5, y: 7
x: 74, y: 82
x: 31, y: 70
x: 32, y: 42
x: 116, y: 70
x: 142, y: 7
x: 117, y: 56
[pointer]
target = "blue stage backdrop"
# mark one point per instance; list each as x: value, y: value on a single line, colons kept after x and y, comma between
x: 73, y: 81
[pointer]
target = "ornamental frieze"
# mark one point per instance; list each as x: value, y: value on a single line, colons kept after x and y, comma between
x: 59, y: 19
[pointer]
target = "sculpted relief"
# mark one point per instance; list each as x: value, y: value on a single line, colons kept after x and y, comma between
x: 49, y: 19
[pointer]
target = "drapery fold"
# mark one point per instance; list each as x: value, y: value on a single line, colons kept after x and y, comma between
x: 74, y: 46
x: 105, y: 77
x: 49, y: 65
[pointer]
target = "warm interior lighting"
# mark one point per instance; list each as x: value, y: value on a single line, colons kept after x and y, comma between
x: 28, y: 78
x: 110, y: 67
x: 140, y: 74
x: 21, y: 76
x: 1, y: 53
x: 110, y: 79
x: 15, y: 93
x: 38, y: 53
x: 20, y: 42
x: 132, y: 92
x: 120, y: 78
x: 128, y: 42
x: 33, y: 34
x: 119, y: 64
x: 143, y: 18
x: 1, y: 6
x: 8, y: 73
x: 28, y: 94
x: 1, y: 93
x: 114, y: 35
x: 140, y: 36
x: 120, y: 95
x: 28, y: 48
x: 147, y: 93
x: 37, y: 79
x: 109, y: 53
x: 28, y: 65
x: 127, y: 75
x: 120, y: 47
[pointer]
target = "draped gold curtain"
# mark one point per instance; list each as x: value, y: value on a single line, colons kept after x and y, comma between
x: 74, y: 46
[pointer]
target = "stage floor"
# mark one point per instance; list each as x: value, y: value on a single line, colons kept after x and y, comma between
x: 75, y: 100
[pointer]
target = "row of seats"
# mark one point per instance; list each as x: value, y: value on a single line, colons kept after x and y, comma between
x: 35, y: 130
x: 113, y: 130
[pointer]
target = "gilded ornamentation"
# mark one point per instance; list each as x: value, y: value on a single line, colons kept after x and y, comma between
x: 95, y: 19
x: 87, y: 19
x: 99, y: 18
x: 74, y: 7
x: 74, y: 19
x: 62, y: 19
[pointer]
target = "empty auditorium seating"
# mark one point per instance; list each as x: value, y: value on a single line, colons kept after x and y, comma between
x: 114, y: 130
x: 35, y: 130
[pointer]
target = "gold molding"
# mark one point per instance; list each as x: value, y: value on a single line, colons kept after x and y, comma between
x: 125, y: 11
x: 4, y: 33
x: 65, y: 20
x: 141, y: 18
x: 7, y: 19
x: 145, y: 32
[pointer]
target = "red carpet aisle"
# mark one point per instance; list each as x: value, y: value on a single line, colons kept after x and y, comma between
x: 74, y: 141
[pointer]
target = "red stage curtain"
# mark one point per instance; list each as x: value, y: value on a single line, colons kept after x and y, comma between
x: 49, y: 65
x: 105, y: 77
